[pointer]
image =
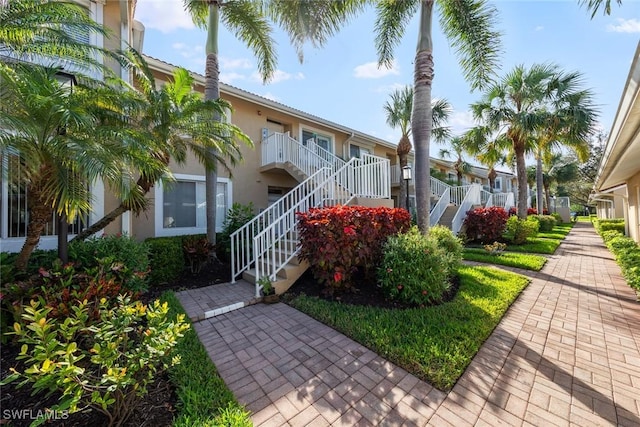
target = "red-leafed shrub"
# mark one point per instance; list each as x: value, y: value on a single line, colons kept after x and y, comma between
x: 485, y: 224
x: 530, y: 211
x: 340, y: 239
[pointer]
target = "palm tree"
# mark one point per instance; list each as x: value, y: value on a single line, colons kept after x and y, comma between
x: 468, y: 26
x: 312, y: 21
x: 398, y: 110
x: 172, y: 121
x: 532, y: 107
x: 595, y: 5
x: 488, y: 150
x: 45, y: 29
x: 61, y: 144
x: 458, y: 147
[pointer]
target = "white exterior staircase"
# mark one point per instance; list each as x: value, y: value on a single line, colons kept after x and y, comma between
x: 267, y: 246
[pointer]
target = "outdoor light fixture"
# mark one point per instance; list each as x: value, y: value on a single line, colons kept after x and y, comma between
x: 406, y: 175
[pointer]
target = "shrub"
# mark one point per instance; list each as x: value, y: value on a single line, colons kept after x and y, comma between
x: 166, y: 259
x: 519, y: 230
x: 557, y: 217
x: 107, y: 364
x: 627, y: 253
x: 39, y: 258
x: 610, y: 234
x: 496, y: 248
x: 545, y: 222
x: 237, y: 216
x: 446, y: 240
x: 125, y: 253
x: 196, y: 251
x: 603, y: 225
x: 415, y: 269
x: 485, y: 224
x: 338, y: 240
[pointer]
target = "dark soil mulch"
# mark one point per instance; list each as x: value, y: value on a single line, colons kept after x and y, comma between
x: 363, y: 292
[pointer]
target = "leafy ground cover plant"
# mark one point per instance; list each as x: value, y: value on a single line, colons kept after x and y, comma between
x: 627, y: 253
x: 105, y: 363
x: 520, y: 230
x: 434, y: 343
x: 511, y: 259
x: 545, y: 222
x: 166, y: 259
x: 485, y: 224
x: 537, y: 245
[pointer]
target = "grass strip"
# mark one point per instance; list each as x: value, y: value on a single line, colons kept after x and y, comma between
x: 511, y: 259
x: 536, y: 245
x: 434, y: 343
x: 203, y: 397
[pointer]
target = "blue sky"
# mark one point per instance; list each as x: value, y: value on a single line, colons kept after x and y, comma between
x: 342, y: 82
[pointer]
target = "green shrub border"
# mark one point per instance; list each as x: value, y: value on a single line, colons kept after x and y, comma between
x: 626, y: 252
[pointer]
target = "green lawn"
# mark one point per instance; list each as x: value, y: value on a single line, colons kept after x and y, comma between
x: 559, y: 232
x: 536, y: 245
x: 203, y: 397
x: 434, y: 343
x: 511, y: 259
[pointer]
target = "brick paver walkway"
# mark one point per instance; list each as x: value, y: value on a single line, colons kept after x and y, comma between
x: 566, y: 353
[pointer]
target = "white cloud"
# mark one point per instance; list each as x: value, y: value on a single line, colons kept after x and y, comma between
x: 277, y: 77
x: 461, y: 121
x: 539, y: 28
x: 235, y: 63
x: 625, y: 26
x: 164, y: 16
x: 231, y: 77
x: 189, y: 51
x: 370, y: 70
x: 389, y: 88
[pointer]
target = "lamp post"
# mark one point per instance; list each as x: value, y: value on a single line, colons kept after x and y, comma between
x: 65, y: 79
x: 406, y: 175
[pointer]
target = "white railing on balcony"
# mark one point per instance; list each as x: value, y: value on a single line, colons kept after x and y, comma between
x: 510, y: 202
x: 459, y: 193
x: 438, y: 187
x: 471, y: 197
x: 331, y: 159
x: 373, y: 178
x: 500, y: 199
x: 281, y: 148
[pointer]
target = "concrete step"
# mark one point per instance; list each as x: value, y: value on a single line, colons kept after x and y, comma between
x: 285, y: 277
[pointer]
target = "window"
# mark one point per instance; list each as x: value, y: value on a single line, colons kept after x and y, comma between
x: 498, y: 184
x: 323, y: 141
x: 357, y: 151
x: 181, y: 206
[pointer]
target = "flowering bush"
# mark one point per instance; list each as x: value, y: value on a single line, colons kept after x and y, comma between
x: 485, y: 224
x: 415, y: 269
x: 338, y: 240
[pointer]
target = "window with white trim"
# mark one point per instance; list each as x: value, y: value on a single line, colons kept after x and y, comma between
x: 323, y: 141
x: 498, y: 184
x: 181, y: 205
x: 357, y: 151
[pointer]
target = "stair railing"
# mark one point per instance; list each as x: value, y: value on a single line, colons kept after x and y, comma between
x: 281, y: 148
x: 510, y: 202
x: 471, y: 197
x: 270, y: 245
x: 438, y: 187
x: 486, y: 198
x: 440, y: 207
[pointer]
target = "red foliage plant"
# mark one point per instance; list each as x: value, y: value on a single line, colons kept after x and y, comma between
x: 530, y: 211
x: 485, y: 225
x: 338, y: 240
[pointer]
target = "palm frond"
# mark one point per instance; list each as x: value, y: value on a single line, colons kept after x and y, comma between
x: 392, y: 18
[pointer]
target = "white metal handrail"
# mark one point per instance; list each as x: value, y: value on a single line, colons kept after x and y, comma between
x: 471, y: 197
x: 438, y: 187
x: 510, y: 202
x: 270, y: 245
x: 459, y: 193
x: 241, y: 239
x: 500, y: 199
x: 440, y: 207
x: 486, y: 198
x: 281, y: 148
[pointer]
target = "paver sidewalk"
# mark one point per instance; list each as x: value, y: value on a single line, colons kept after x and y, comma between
x: 566, y: 353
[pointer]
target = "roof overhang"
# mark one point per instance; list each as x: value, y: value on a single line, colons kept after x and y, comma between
x: 621, y: 159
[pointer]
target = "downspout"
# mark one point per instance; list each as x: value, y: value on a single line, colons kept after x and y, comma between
x: 345, y: 145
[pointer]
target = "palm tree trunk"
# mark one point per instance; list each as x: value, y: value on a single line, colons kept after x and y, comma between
x: 547, y: 195
x: 421, y: 115
x: 521, y: 171
x: 403, y: 186
x: 539, y: 183
x: 40, y: 212
x: 492, y: 179
x: 212, y: 92
x: 102, y: 223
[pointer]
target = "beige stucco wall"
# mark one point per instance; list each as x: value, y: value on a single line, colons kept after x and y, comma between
x: 633, y: 191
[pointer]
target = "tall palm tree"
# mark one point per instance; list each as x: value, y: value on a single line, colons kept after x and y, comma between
x: 173, y: 120
x: 530, y: 105
x: 304, y: 21
x: 398, y: 110
x: 458, y: 147
x: 45, y: 29
x: 468, y: 24
x: 62, y: 145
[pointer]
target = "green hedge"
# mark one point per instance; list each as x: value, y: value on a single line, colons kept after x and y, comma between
x: 166, y: 258
x: 627, y: 253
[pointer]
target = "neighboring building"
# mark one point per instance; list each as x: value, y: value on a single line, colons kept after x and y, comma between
x: 617, y: 187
